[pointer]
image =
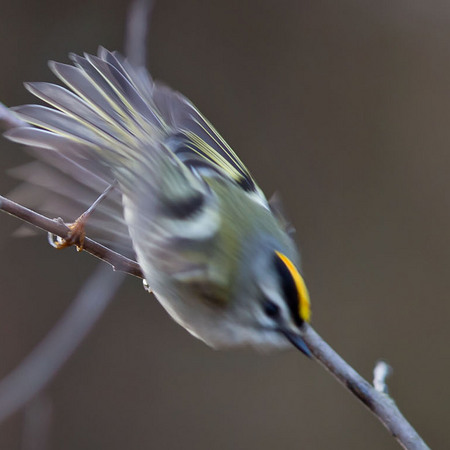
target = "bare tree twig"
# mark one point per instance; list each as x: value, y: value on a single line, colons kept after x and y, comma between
x: 57, y: 227
x: 382, y: 406
x: 136, y: 31
x: 41, y: 365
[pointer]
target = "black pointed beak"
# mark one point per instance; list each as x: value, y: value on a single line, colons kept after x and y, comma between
x: 297, y: 341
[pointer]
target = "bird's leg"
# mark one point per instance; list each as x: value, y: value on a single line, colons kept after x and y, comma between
x: 77, y: 229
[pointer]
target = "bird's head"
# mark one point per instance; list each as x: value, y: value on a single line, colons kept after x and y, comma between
x: 280, y: 304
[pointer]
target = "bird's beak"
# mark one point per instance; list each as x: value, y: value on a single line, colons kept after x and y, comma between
x: 297, y: 341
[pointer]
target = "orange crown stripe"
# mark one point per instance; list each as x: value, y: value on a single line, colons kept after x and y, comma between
x: 304, y: 308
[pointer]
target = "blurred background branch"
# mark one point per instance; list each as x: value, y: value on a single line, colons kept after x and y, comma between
x: 37, y: 423
x: 139, y: 16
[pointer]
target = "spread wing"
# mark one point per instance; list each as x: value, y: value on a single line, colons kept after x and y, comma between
x: 135, y: 127
x: 113, y: 102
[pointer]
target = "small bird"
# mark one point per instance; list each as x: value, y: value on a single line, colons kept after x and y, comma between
x: 216, y: 253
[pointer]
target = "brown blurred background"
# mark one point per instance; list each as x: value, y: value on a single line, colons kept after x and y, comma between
x: 344, y: 108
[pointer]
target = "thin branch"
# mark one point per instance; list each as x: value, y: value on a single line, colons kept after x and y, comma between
x: 57, y: 227
x: 136, y: 31
x: 382, y: 406
x: 41, y: 365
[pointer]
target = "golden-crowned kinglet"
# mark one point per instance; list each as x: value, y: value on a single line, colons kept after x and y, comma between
x: 215, y: 253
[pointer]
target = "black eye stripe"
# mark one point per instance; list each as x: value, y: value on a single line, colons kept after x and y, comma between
x: 289, y: 289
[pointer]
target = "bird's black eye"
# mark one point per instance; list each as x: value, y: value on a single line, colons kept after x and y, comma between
x: 271, y: 309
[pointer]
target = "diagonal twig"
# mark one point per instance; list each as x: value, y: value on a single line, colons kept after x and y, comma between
x: 381, y: 405
x: 57, y: 227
